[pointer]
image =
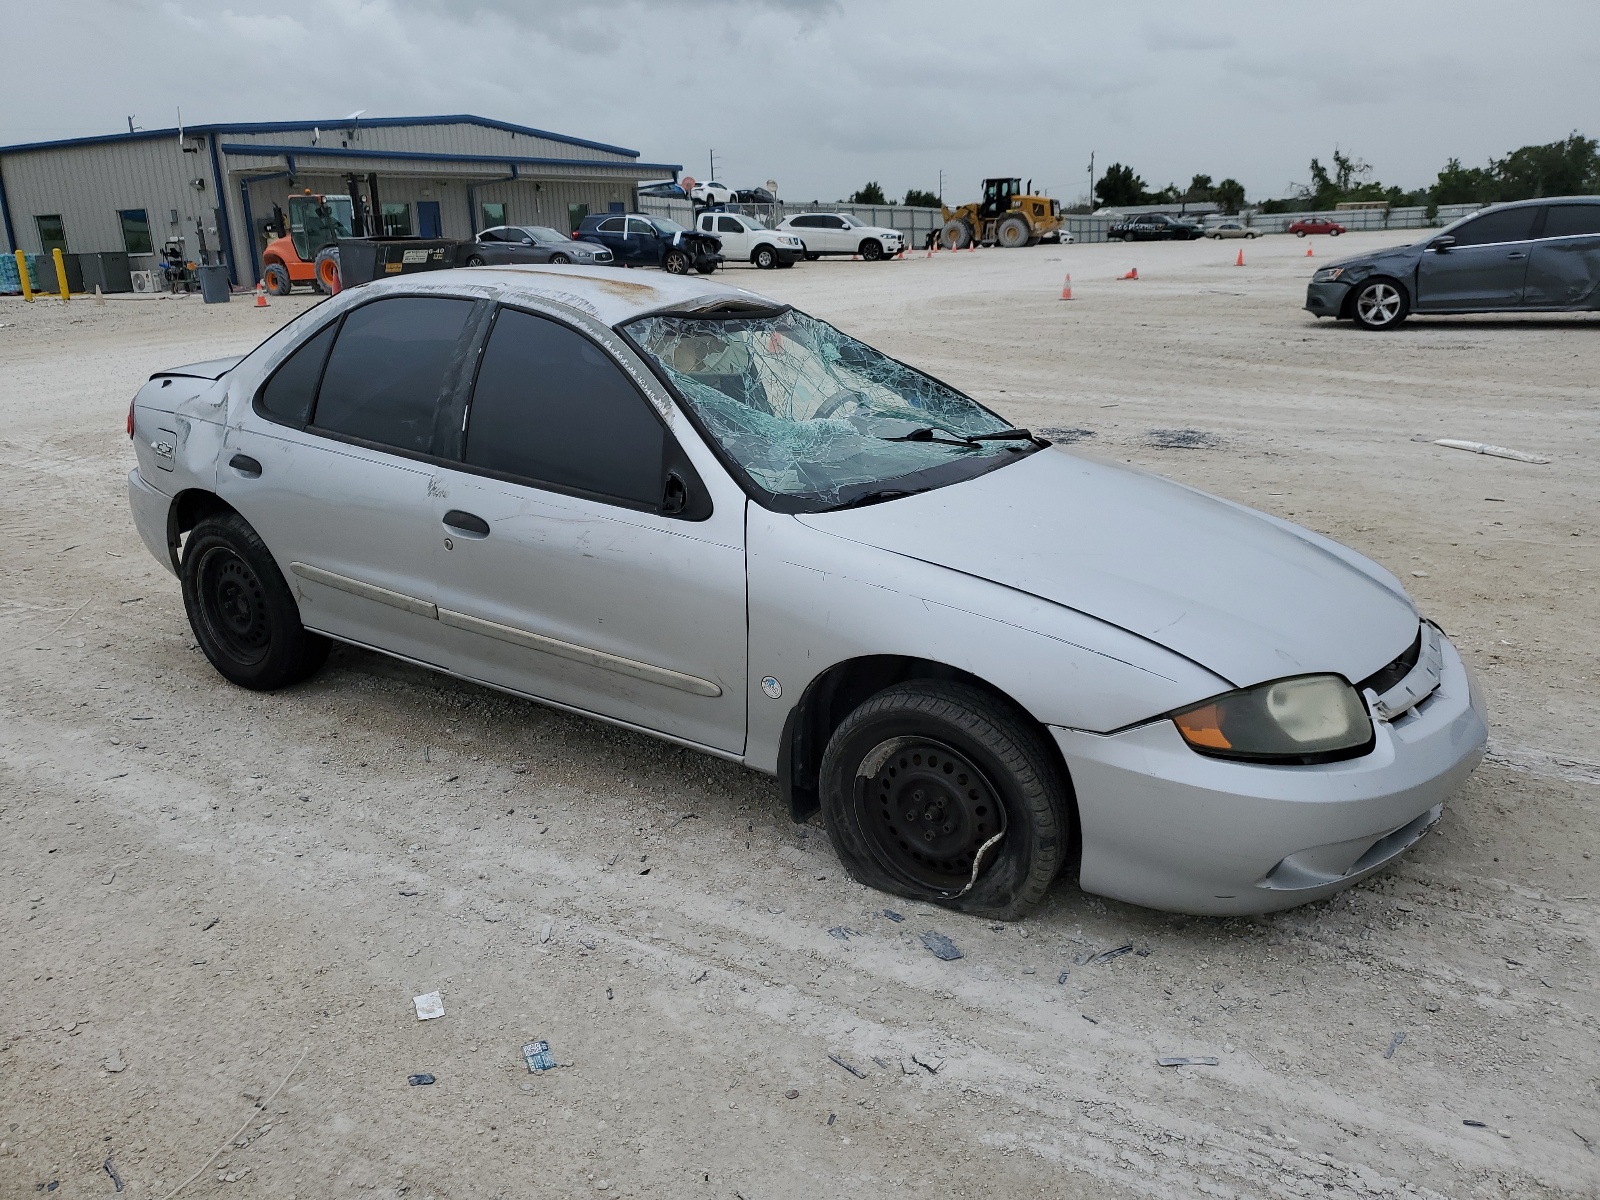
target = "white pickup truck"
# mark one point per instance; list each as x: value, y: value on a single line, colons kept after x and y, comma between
x: 748, y: 239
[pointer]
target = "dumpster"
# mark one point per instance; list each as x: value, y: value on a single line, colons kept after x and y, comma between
x: 109, y: 271
x: 42, y: 272
x: 213, y: 283
x: 361, y: 260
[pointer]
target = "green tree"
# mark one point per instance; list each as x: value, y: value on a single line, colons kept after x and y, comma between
x: 915, y: 198
x: 1119, y: 186
x: 1461, y: 185
x: 1569, y: 167
x: 871, y: 194
x: 1229, y: 195
x: 1200, y: 190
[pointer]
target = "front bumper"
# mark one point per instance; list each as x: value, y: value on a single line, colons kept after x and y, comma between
x: 150, y: 509
x: 1326, y: 299
x: 1167, y: 828
x: 788, y: 255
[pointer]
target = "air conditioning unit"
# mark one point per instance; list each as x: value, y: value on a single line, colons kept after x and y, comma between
x: 144, y: 281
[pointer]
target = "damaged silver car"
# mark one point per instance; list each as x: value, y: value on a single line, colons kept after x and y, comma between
x: 688, y: 510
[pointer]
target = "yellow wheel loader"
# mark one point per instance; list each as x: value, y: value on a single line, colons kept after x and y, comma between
x: 1007, y: 216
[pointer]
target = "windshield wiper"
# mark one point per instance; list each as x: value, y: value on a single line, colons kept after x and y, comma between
x: 879, y: 496
x: 925, y: 434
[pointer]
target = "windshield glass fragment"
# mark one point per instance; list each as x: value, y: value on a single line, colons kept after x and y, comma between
x: 811, y: 413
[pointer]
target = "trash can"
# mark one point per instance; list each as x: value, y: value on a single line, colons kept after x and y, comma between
x: 108, y: 271
x: 214, y: 283
x: 361, y: 260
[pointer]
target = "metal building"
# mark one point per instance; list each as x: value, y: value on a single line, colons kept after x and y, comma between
x: 215, y: 185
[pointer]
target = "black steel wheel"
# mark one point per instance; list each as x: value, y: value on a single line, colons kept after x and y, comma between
x: 1379, y: 303
x: 241, y: 610
x: 676, y: 262
x: 938, y: 791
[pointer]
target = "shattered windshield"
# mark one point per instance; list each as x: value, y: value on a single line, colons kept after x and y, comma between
x: 818, y: 419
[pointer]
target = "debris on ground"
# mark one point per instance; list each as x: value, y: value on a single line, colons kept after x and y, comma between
x: 429, y: 1006
x: 423, y: 1080
x: 844, y: 933
x: 116, y: 1180
x: 941, y: 946
x: 1089, y: 1019
x: 1182, y: 1060
x: 1062, y: 978
x: 892, y: 915
x: 1182, y: 439
x: 1108, y: 955
x: 1492, y: 451
x: 928, y: 1062
x: 1475, y: 1124
x: 1066, y: 436
x: 832, y: 1118
x: 114, y: 1063
x: 792, y: 1094
x: 1394, y: 1044
x: 856, y: 1071
x: 537, y: 1056
x: 544, y: 933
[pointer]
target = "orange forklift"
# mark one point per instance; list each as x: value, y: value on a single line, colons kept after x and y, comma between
x: 308, y: 251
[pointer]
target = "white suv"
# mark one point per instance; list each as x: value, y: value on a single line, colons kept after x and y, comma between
x: 840, y: 233
x: 746, y: 238
x: 711, y: 192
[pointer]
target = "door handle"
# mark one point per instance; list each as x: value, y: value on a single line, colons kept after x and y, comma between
x: 466, y: 523
x: 246, y: 466
x: 1516, y: 254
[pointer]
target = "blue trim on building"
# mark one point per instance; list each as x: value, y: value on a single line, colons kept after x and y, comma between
x: 331, y: 126
x: 263, y: 150
x: 249, y: 228
x: 225, y: 232
x: 5, y: 214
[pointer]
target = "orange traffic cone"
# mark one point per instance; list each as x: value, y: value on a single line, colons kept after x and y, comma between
x: 972, y: 245
x: 1239, y: 262
x: 261, y: 294
x: 1308, y: 251
x: 1066, y: 289
x: 1133, y: 273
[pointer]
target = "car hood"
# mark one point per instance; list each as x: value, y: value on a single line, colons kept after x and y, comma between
x: 1245, y: 595
x: 1390, y: 258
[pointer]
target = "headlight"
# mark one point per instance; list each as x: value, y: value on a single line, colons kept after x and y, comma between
x: 1329, y: 274
x: 1310, y: 718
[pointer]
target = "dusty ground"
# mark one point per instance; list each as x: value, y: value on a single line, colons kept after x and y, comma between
x: 205, y: 891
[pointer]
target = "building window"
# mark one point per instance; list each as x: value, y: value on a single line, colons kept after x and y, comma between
x: 494, y: 215
x: 397, y: 220
x: 52, y: 233
x: 135, y: 230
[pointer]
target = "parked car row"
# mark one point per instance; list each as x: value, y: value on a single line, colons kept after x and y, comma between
x: 640, y: 240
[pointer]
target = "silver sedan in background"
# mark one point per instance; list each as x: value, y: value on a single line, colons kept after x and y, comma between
x: 698, y: 513
x: 506, y: 245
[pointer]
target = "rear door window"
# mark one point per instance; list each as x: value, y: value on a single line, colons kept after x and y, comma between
x: 551, y: 408
x: 388, y: 368
x: 1572, y: 220
x: 610, y: 225
x: 287, y: 396
x: 1509, y: 225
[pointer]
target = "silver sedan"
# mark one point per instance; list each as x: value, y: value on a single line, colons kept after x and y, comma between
x: 704, y: 515
x: 508, y: 245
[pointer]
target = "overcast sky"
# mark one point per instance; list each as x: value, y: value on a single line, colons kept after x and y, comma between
x: 822, y: 95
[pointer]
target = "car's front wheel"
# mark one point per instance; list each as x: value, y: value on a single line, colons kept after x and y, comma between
x: 276, y: 278
x: 1380, y: 304
x: 676, y: 262
x: 871, y: 249
x: 474, y: 260
x: 765, y: 257
x: 241, y: 609
x: 1299, y: 233
x: 560, y: 260
x: 936, y: 791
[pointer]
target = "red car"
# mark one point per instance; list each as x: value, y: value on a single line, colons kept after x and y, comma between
x: 1316, y: 225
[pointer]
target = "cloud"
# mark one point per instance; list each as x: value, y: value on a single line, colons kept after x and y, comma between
x: 1175, y: 35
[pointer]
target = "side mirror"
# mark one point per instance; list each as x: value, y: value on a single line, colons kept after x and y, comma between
x: 527, y: 241
x: 1443, y: 244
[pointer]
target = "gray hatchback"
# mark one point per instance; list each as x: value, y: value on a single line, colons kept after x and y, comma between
x: 1528, y: 256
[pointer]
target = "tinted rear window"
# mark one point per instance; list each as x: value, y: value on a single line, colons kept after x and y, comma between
x: 1509, y: 225
x: 288, y: 394
x: 551, y: 407
x: 1570, y: 220
x: 388, y: 368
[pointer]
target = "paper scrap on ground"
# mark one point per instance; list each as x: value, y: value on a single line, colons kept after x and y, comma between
x: 429, y: 1006
x: 1495, y: 451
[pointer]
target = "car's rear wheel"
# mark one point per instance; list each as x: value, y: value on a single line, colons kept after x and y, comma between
x: 765, y: 257
x: 810, y: 257
x: 276, y: 278
x: 241, y: 610
x: 560, y: 260
x: 474, y: 260
x: 1335, y: 232
x: 676, y: 262
x: 1379, y: 304
x: 936, y: 791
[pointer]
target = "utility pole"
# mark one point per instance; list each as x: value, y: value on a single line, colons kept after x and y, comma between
x: 1091, y: 181
x: 713, y: 174
x: 941, y: 186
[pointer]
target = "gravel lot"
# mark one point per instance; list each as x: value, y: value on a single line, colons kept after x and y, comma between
x: 206, y: 892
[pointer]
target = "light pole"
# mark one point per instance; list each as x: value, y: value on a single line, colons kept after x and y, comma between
x: 713, y: 174
x: 1091, y: 181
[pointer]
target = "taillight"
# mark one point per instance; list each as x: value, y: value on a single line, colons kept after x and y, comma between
x: 130, y: 417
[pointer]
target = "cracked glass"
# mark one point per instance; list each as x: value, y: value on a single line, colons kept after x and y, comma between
x: 817, y: 418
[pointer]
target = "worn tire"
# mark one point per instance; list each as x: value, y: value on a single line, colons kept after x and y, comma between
x: 1379, y: 303
x: 765, y: 258
x: 276, y: 278
x: 325, y: 271
x: 956, y: 234
x: 1013, y: 232
x: 1015, y: 768
x: 241, y: 610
